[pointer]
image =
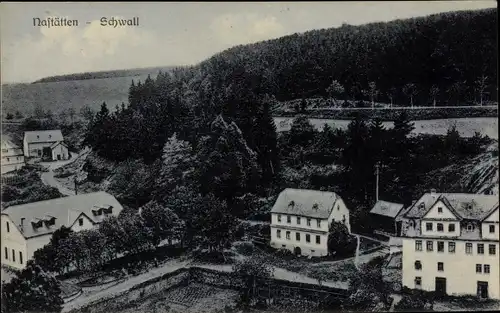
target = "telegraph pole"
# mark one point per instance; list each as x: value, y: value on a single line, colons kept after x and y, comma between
x: 377, y: 166
x: 76, y: 186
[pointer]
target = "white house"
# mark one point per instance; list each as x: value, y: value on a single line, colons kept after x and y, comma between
x: 451, y: 243
x: 45, y: 144
x: 12, y: 156
x: 300, y: 220
x: 28, y: 227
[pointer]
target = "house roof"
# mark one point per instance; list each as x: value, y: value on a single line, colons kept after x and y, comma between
x: 304, y: 202
x: 8, y: 144
x: 66, y: 210
x: 386, y: 208
x: 55, y: 144
x: 43, y: 136
x: 467, y: 206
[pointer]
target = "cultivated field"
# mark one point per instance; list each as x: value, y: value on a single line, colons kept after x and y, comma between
x: 465, y: 126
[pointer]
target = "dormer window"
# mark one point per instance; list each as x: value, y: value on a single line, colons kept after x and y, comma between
x: 49, y: 221
x: 50, y: 136
x: 421, y: 205
x: 315, y: 206
x: 37, y: 137
x: 470, y: 227
x: 291, y: 203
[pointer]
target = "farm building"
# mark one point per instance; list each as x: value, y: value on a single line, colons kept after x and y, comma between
x: 12, y: 156
x: 383, y: 216
x: 45, y: 144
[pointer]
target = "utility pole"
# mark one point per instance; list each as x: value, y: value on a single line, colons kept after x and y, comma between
x: 76, y: 186
x: 377, y: 166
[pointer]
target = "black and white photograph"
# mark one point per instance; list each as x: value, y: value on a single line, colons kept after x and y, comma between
x: 249, y: 157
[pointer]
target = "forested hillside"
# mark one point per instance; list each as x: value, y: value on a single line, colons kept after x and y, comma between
x: 450, y: 57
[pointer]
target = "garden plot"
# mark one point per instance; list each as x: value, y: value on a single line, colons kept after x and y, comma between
x: 192, y: 298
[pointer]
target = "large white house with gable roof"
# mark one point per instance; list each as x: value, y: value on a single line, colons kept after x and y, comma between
x: 28, y: 227
x: 47, y: 144
x: 451, y: 244
x: 300, y: 220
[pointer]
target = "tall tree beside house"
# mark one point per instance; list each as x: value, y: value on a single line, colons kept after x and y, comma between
x: 32, y: 290
x: 373, y: 92
x: 340, y: 242
x: 301, y: 132
x: 48, y: 256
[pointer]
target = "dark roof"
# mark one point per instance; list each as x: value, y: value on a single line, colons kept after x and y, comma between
x: 386, y: 208
x: 465, y: 205
x: 55, y: 144
x: 43, y: 136
x: 66, y: 210
x: 304, y: 202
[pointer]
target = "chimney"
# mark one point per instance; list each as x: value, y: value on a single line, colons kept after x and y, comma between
x: 433, y: 192
x: 22, y: 223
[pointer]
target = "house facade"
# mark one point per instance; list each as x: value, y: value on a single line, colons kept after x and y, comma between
x: 28, y: 227
x: 300, y: 220
x: 12, y: 156
x: 46, y: 144
x: 451, y: 244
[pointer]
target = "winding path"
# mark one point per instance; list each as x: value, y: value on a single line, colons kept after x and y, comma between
x: 48, y: 177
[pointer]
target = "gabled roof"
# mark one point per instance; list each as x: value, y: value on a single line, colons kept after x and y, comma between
x: 8, y: 144
x: 464, y: 205
x: 43, y: 136
x: 490, y: 213
x: 55, y: 144
x: 66, y: 210
x: 386, y: 208
x: 304, y: 202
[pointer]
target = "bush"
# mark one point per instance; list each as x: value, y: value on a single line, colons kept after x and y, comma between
x: 413, y: 303
x: 10, y: 193
x: 245, y: 248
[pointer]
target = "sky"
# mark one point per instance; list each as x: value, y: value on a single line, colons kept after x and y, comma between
x: 172, y: 33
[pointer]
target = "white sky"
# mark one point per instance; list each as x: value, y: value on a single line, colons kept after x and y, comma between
x: 172, y: 33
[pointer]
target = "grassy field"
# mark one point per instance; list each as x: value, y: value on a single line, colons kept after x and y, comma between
x: 465, y: 126
x: 58, y: 95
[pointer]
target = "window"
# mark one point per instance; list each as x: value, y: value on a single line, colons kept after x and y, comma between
x: 318, y: 222
x: 486, y: 269
x: 451, y: 247
x: 418, y: 265
x: 468, y: 248
x: 20, y: 257
x: 440, y: 227
x: 440, y: 266
x: 440, y: 245
x: 418, y: 282
x: 283, y: 246
x: 478, y: 268
x: 338, y: 207
x: 428, y: 226
x: 5, y: 150
x: 278, y: 233
x: 308, y: 222
x: 288, y: 235
x: 298, y: 220
x: 492, y: 249
x: 480, y: 248
x: 279, y: 218
x: 418, y: 245
x: 8, y: 227
x: 80, y: 221
x: 308, y: 238
x: 318, y: 239
x: 8, y: 159
x: 288, y: 219
x: 6, y: 253
x: 451, y: 228
x: 312, y: 251
x: 430, y: 246
x: 492, y: 229
x: 13, y: 255
x: 470, y: 227
x: 297, y: 236
x: 440, y: 210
